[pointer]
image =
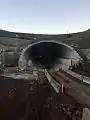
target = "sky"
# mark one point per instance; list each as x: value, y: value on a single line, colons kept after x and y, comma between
x: 45, y: 16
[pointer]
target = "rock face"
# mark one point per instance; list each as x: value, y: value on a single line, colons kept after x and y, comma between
x: 86, y: 53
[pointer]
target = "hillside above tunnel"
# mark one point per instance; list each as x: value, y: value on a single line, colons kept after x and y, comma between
x: 80, y: 39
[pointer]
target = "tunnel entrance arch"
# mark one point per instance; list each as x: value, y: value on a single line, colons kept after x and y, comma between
x: 46, y: 52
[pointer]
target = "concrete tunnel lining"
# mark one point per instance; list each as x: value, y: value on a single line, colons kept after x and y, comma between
x: 46, y: 51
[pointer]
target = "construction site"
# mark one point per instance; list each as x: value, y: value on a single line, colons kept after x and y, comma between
x: 50, y: 82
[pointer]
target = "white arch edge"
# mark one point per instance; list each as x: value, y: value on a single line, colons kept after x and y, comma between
x: 54, y: 41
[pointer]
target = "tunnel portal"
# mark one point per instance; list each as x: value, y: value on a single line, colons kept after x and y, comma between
x: 46, y: 53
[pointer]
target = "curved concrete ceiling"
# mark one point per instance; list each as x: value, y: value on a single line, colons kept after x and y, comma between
x: 46, y: 52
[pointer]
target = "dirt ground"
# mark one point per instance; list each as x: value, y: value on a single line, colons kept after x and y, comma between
x: 84, y: 70
x: 22, y: 100
x: 62, y: 108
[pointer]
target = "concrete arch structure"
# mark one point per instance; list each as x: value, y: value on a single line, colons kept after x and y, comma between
x: 46, y: 52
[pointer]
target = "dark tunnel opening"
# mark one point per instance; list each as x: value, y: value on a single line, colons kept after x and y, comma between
x: 46, y: 53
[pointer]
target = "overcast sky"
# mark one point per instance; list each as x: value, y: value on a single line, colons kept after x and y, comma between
x: 45, y: 16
